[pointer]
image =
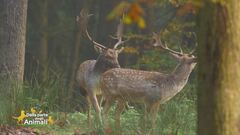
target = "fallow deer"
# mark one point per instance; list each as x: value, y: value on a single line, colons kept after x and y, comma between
x: 88, y: 73
x: 147, y: 87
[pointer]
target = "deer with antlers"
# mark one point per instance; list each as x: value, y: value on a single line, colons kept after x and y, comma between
x: 89, y: 72
x: 147, y: 87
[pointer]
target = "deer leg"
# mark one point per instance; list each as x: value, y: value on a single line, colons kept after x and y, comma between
x: 145, y: 123
x: 143, y: 119
x: 89, y: 112
x: 94, y: 101
x: 153, y: 116
x: 119, y: 109
x: 106, y: 108
x: 101, y: 100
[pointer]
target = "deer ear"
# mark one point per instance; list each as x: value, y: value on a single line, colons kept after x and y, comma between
x: 120, y: 50
x: 98, y: 49
x: 194, y: 60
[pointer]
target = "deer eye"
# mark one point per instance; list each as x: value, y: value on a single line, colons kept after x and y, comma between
x: 190, y: 55
x: 109, y: 53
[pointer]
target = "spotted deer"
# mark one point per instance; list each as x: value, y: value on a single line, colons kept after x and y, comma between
x: 147, y: 87
x: 89, y: 72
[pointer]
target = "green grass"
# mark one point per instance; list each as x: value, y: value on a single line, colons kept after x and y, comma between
x: 176, y: 117
x: 74, y: 121
x: 11, y: 94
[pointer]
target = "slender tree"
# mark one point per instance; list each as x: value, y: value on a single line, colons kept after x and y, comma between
x: 38, y: 19
x: 75, y: 47
x: 219, y: 68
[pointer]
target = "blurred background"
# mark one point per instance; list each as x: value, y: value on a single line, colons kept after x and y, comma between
x: 56, y: 47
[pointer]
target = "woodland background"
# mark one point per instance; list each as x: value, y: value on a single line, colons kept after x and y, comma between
x: 55, y: 47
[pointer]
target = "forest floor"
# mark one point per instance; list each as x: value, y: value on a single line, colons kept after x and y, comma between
x: 71, y: 124
x: 18, y: 130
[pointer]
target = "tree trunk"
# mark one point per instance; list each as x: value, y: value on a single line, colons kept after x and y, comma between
x: 218, y: 71
x: 12, y: 38
x: 13, y: 16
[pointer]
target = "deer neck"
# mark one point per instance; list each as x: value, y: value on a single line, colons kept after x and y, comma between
x: 181, y: 73
x: 102, y: 64
x: 175, y: 82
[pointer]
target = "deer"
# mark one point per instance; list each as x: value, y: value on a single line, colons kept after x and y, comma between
x: 89, y: 72
x: 146, y: 87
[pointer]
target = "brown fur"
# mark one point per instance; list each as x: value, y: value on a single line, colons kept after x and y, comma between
x: 149, y: 88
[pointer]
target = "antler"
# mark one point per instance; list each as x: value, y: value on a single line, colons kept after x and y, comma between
x: 94, y: 42
x: 83, y: 19
x: 196, y: 44
x: 159, y: 43
x: 119, y: 35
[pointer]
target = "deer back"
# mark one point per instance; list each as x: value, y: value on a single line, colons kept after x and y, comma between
x: 132, y: 85
x: 142, y: 86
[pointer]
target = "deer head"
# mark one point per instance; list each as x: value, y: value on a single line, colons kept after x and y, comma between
x: 187, y: 61
x: 107, y: 55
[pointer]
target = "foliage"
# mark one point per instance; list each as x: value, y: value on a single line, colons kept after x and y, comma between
x: 179, y: 116
x: 131, y: 12
x: 11, y: 100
